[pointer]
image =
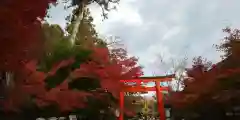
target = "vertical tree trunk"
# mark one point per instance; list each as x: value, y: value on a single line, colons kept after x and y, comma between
x: 6, y: 81
x: 9, y: 79
x: 77, y: 23
x: 179, y: 82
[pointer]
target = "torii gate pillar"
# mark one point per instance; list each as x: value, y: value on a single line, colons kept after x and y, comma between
x: 160, y: 102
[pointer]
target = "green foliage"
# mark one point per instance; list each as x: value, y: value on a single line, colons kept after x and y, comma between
x: 60, y: 51
x: 81, y: 55
x: 52, y: 32
x: 230, y: 83
x: 58, y: 77
x: 57, y: 47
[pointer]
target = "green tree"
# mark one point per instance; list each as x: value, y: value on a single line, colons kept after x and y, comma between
x: 81, y: 9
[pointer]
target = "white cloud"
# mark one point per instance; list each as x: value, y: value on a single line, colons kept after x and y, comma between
x: 175, y: 29
x: 125, y: 14
x: 171, y: 33
x: 169, y: 27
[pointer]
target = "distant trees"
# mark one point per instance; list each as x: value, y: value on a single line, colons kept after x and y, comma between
x: 212, y: 87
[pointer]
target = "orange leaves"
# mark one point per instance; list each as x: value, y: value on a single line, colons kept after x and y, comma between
x: 101, y: 55
x: 109, y: 71
x: 108, y: 75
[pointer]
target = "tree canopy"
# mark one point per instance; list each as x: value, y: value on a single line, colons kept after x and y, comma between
x: 18, y: 19
x: 212, y: 86
x: 65, y: 78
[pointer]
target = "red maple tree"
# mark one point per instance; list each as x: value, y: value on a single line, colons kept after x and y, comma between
x: 107, y: 70
x: 20, y: 44
x: 209, y: 82
x: 20, y: 30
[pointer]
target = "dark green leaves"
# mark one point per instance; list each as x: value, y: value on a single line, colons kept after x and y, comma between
x: 230, y: 82
x: 81, y: 56
x: 85, y: 84
x: 58, y: 78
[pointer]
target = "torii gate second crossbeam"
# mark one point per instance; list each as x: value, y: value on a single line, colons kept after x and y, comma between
x: 139, y: 88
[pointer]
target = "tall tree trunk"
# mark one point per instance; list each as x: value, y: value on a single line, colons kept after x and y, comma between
x: 77, y: 23
x: 179, y: 81
x: 9, y: 79
x: 6, y: 82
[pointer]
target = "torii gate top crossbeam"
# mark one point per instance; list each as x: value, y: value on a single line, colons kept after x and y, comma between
x: 150, y: 79
x: 139, y: 88
x: 143, y: 89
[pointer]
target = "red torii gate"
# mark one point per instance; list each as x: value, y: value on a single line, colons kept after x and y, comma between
x: 139, y: 88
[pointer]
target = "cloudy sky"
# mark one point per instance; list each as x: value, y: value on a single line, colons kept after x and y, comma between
x: 172, y: 29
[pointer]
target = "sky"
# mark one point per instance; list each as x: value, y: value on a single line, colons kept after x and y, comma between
x: 165, y: 30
